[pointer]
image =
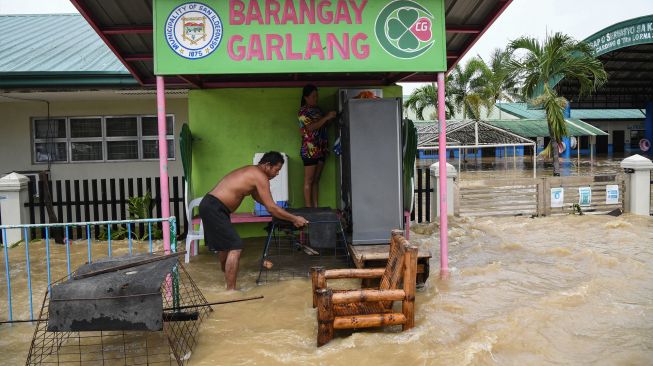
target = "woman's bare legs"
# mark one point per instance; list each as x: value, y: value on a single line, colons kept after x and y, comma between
x: 316, y: 183
x: 309, y: 176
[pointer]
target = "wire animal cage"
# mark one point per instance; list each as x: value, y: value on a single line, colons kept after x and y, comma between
x: 290, y: 252
x: 147, y: 313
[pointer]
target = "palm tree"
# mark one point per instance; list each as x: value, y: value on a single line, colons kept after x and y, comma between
x: 500, y: 82
x: 464, y: 92
x: 543, y: 65
x: 426, y: 97
x: 466, y: 88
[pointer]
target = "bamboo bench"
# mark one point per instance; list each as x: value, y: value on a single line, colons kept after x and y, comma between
x: 363, y: 308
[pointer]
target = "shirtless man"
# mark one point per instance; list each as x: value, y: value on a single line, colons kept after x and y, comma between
x: 225, y: 198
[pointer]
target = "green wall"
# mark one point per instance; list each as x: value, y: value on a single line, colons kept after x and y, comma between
x: 230, y: 125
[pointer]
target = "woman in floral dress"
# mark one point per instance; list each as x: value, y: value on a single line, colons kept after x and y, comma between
x: 314, y: 149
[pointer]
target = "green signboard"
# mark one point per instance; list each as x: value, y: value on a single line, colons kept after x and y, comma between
x: 625, y: 34
x: 281, y: 36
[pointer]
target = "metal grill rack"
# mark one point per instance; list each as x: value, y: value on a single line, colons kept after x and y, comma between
x: 292, y: 252
x: 183, y: 309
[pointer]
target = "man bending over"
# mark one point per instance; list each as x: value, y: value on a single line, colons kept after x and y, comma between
x: 226, y: 196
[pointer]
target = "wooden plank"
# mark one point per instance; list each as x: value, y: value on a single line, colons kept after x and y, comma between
x: 78, y: 210
x: 105, y: 202
x: 69, y: 207
x: 365, y: 321
x: 87, y: 204
x: 59, y: 199
x: 139, y: 190
x: 364, y: 253
x: 112, y: 193
x: 122, y: 200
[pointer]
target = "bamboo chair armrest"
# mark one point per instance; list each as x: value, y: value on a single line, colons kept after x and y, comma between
x: 354, y: 273
x: 353, y: 296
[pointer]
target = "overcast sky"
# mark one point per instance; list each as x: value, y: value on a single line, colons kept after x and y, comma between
x: 578, y: 18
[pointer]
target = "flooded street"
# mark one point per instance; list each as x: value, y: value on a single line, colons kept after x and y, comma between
x: 572, y: 290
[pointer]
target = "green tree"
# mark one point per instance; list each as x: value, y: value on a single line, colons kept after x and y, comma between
x: 543, y: 65
x: 500, y: 82
x: 426, y: 97
x: 467, y: 88
x: 464, y: 89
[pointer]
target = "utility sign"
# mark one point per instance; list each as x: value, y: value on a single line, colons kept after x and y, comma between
x: 612, y: 194
x: 557, y: 197
x: 584, y: 196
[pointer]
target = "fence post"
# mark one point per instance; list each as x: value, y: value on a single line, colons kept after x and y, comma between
x: 546, y: 196
x: 626, y: 190
x: 639, y: 168
x: 435, y: 200
x: 13, y: 195
x: 456, y: 197
x: 539, y: 187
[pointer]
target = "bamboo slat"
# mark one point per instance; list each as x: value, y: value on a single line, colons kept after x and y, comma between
x: 352, y: 296
x: 325, y: 317
x: 366, y: 321
x: 410, y: 281
x: 354, y: 273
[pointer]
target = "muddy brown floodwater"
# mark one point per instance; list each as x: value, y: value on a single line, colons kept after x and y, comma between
x: 568, y: 290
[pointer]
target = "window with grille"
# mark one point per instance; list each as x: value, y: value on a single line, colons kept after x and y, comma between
x: 99, y: 139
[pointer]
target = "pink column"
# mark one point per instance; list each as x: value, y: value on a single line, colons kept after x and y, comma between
x: 442, y: 161
x: 163, y: 160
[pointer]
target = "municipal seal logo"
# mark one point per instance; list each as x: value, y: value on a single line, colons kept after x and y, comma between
x: 193, y: 30
x: 404, y: 29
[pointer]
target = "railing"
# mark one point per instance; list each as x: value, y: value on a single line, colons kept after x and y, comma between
x: 496, y: 197
x: 519, y: 196
x: 102, y: 200
x: 52, y: 264
x: 422, y: 208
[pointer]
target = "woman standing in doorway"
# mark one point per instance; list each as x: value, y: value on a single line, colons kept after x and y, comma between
x: 314, y: 149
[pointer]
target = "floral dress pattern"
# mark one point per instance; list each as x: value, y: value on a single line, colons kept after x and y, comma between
x: 314, y: 143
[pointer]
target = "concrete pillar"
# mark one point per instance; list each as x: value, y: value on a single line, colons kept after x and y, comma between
x: 13, y: 195
x: 452, y: 174
x: 639, y: 187
x: 648, y: 126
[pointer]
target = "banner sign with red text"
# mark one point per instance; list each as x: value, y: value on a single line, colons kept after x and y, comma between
x: 288, y: 36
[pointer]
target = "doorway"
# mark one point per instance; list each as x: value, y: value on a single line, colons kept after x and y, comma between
x: 602, y: 144
x: 618, y: 138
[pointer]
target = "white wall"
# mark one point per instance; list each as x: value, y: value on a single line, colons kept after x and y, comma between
x: 617, y: 125
x: 15, y: 139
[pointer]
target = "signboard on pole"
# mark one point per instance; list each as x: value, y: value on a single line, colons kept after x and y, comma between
x: 612, y: 194
x: 584, y: 196
x: 290, y: 36
x: 557, y: 197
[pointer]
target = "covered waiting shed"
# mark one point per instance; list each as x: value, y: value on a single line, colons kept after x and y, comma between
x: 273, y: 46
x: 539, y: 128
x: 469, y: 134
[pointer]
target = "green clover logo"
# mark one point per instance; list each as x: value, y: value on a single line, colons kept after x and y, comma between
x: 403, y: 29
x: 399, y: 29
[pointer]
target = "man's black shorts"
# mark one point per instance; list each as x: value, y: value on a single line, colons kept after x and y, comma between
x: 219, y: 233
